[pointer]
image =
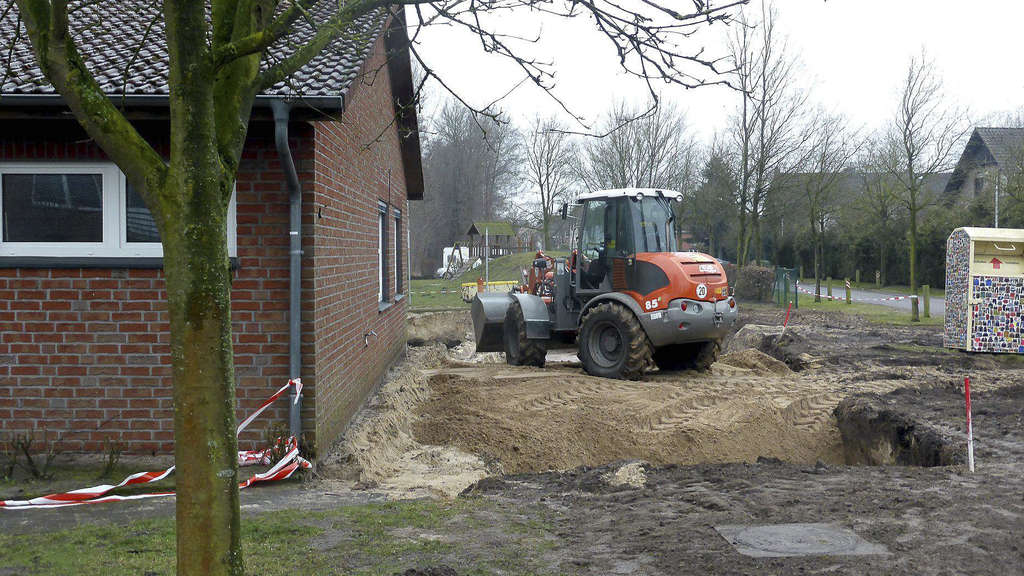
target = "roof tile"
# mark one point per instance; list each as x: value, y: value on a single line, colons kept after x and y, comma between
x: 124, y: 47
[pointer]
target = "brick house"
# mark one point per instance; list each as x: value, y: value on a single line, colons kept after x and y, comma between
x: 990, y: 156
x: 83, y: 325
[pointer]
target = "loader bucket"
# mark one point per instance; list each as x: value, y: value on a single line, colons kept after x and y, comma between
x: 488, y: 313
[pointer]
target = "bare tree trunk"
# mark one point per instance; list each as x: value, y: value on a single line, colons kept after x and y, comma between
x: 196, y: 268
x: 199, y: 305
x: 913, y: 251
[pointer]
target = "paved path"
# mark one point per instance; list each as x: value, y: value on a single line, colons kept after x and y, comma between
x: 938, y: 305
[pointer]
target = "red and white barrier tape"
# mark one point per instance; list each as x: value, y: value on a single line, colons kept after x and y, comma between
x: 285, y: 467
x: 886, y: 299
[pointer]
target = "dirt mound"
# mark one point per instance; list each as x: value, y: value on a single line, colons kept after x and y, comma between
x: 557, y: 419
x: 759, y: 362
x: 632, y: 474
x: 750, y: 336
x: 378, y: 450
x: 450, y: 328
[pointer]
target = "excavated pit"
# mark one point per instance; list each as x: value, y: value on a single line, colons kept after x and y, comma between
x: 874, y: 434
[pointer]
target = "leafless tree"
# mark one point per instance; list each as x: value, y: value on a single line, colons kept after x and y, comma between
x: 470, y: 167
x: 654, y: 150
x: 831, y: 147
x: 220, y: 60
x: 923, y: 139
x: 879, y: 198
x: 768, y: 126
x: 549, y: 154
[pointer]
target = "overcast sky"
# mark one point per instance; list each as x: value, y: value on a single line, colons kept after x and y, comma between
x: 853, y: 54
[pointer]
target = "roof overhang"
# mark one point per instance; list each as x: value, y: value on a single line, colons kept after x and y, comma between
x: 995, y: 234
x: 396, y: 43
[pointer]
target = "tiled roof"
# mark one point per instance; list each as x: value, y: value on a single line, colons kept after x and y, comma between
x: 1003, y: 143
x: 124, y: 47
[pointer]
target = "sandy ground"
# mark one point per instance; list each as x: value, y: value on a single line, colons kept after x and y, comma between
x: 635, y: 476
x: 448, y: 417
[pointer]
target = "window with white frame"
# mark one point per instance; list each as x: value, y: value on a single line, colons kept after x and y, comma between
x: 398, y: 252
x: 382, y: 252
x: 77, y: 209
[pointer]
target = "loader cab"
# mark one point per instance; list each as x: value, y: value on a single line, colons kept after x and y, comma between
x: 616, y: 225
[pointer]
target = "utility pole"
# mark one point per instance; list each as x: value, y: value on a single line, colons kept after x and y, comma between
x: 487, y: 257
x: 998, y: 180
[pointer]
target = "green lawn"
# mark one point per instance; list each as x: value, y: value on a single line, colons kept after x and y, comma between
x: 838, y: 287
x: 872, y: 312
x: 437, y: 294
x: 475, y: 536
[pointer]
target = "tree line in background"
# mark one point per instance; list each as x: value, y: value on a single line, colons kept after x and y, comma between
x: 787, y: 181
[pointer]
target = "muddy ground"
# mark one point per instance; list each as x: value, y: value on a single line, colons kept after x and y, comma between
x: 755, y: 441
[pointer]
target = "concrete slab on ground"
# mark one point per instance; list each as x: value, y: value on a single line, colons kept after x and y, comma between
x: 801, y: 539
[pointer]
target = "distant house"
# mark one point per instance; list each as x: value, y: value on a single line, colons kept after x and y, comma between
x: 990, y: 154
x: 499, y: 238
x: 84, y: 342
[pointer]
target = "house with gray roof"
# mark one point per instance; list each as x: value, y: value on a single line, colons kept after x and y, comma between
x: 332, y: 156
x: 989, y: 156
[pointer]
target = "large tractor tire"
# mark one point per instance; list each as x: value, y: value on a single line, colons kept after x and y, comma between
x: 707, y: 354
x: 520, y: 350
x: 612, y: 343
x: 692, y: 356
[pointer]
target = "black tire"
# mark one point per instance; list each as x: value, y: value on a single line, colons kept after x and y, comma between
x: 612, y: 343
x: 520, y: 350
x: 707, y: 354
x: 691, y: 356
x: 674, y: 357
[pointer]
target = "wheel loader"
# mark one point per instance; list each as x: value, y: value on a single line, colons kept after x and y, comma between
x: 625, y: 296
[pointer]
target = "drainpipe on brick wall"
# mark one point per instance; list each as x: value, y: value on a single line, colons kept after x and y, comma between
x: 282, y: 111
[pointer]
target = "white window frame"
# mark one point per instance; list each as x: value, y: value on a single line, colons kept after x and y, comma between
x: 115, y: 231
x: 382, y: 219
x: 399, y: 286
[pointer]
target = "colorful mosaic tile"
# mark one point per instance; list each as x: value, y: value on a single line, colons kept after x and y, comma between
x: 958, y: 267
x: 996, y: 320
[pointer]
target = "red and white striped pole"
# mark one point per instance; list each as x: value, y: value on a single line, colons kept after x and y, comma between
x: 970, y: 428
x: 786, y: 321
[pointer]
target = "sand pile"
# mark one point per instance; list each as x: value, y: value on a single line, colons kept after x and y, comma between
x: 752, y: 359
x: 379, y: 450
x: 558, y: 418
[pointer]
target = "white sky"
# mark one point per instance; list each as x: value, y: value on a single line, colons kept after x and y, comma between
x: 853, y: 52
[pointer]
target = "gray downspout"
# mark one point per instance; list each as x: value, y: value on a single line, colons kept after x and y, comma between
x: 281, y: 114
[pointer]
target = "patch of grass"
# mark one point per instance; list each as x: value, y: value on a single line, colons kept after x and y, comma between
x: 277, y: 544
x: 872, y: 312
x: 426, y: 292
x: 838, y: 287
x: 472, y: 535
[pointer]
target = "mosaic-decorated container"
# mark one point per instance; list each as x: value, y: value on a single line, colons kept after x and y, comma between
x: 984, y: 286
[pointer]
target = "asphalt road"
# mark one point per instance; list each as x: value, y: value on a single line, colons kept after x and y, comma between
x: 938, y: 305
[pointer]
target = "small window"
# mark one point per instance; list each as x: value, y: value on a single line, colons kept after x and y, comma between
x: 382, y: 252
x: 53, y: 208
x: 138, y: 222
x: 398, y: 252
x: 77, y: 209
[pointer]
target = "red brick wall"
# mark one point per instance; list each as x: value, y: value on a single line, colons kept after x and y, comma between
x: 83, y: 351
x: 358, y: 165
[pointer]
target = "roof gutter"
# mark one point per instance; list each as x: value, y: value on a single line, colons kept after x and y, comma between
x: 282, y: 111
